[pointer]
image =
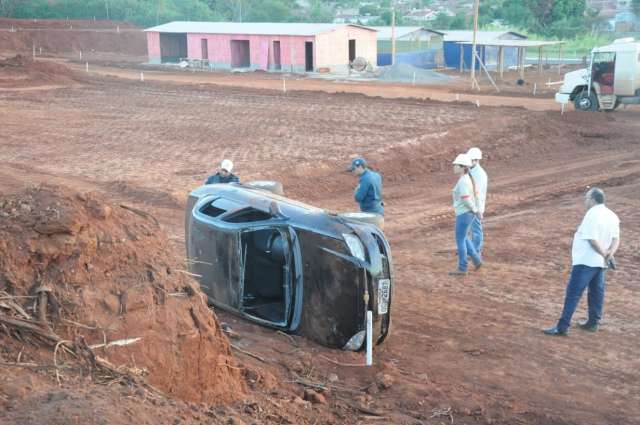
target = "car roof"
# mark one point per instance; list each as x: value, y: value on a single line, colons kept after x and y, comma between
x: 298, y: 213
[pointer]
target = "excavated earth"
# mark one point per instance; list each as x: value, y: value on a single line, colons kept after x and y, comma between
x: 462, y: 350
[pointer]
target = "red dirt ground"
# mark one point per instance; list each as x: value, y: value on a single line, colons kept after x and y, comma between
x: 472, y: 345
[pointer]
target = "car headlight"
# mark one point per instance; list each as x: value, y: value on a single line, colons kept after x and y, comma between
x: 355, y: 246
x: 355, y: 342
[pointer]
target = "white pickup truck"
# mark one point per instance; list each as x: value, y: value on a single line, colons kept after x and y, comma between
x: 613, y: 78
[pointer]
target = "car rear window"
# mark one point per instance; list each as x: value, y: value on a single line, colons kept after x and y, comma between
x: 219, y: 206
x: 247, y: 215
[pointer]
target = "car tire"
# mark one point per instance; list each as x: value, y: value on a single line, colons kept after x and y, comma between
x: 268, y: 185
x: 364, y: 217
x: 585, y: 101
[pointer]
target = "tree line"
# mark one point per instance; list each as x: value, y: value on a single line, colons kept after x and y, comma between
x: 549, y: 18
x: 153, y: 12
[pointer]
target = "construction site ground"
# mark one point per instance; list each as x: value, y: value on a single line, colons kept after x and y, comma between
x: 462, y: 350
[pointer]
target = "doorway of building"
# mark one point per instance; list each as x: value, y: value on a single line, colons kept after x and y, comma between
x: 204, y: 44
x: 308, y: 56
x: 352, y: 50
x: 277, y: 62
x: 240, y: 54
x: 173, y: 47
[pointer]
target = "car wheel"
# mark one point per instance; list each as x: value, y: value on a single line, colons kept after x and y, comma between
x: 585, y: 101
x: 269, y: 186
x: 364, y: 217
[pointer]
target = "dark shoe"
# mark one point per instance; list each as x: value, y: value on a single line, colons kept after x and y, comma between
x: 586, y: 326
x: 458, y: 272
x: 554, y: 331
x: 477, y: 266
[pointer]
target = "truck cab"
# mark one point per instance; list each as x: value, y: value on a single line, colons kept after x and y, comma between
x: 613, y: 78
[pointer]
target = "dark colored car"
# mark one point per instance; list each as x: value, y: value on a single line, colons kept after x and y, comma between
x: 289, y: 265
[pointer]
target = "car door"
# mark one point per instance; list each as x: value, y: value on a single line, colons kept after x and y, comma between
x: 213, y: 251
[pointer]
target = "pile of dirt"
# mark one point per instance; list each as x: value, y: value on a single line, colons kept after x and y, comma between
x: 110, y: 281
x: 22, y: 71
x: 405, y: 73
x: 60, y: 36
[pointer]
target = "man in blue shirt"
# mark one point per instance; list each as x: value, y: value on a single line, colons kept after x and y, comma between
x: 369, y: 191
x: 224, y: 174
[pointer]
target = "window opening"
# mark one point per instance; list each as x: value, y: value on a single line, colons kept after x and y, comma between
x: 266, y: 285
x: 248, y: 215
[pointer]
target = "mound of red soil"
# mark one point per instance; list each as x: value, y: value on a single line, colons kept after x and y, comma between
x: 21, y: 71
x: 59, y: 36
x: 110, y: 276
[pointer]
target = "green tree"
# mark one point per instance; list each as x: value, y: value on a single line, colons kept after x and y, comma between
x: 268, y: 11
x: 319, y: 12
x: 635, y: 5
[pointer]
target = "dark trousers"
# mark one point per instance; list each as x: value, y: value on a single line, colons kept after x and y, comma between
x: 581, y: 278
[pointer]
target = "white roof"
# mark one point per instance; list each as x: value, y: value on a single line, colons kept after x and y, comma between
x: 384, y: 33
x: 514, y: 43
x: 482, y: 38
x: 260, y: 28
x: 623, y: 45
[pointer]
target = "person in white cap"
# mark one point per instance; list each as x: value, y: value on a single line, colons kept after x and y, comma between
x: 481, y: 180
x: 224, y: 174
x: 465, y: 205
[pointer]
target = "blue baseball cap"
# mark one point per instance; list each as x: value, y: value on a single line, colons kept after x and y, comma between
x: 357, y: 162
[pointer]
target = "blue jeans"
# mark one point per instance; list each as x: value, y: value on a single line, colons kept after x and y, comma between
x: 476, y: 234
x: 463, y: 243
x: 581, y: 278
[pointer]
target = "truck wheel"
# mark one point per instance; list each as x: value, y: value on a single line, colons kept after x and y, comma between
x: 585, y: 101
x: 269, y: 186
x: 364, y: 217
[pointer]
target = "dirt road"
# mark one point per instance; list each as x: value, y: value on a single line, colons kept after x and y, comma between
x: 472, y: 344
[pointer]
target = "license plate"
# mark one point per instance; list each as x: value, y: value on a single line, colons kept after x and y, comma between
x: 384, y: 286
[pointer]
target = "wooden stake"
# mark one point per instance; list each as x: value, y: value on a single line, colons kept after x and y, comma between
x: 476, y: 9
x: 393, y: 35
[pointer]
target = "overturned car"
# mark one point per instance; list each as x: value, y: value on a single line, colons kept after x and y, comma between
x: 289, y: 265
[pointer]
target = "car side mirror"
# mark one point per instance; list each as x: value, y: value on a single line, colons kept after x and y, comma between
x: 274, y: 209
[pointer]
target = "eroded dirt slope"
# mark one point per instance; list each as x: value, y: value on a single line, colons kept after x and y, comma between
x: 110, y: 276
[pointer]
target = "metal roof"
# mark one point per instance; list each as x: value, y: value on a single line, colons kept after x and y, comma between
x: 483, y: 36
x: 250, y: 28
x: 513, y: 43
x: 384, y: 33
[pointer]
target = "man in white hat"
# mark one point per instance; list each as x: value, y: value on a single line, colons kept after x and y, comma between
x: 481, y: 181
x: 465, y: 207
x: 224, y: 174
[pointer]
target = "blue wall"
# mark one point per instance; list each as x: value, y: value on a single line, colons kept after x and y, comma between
x: 425, y: 59
x: 452, y: 55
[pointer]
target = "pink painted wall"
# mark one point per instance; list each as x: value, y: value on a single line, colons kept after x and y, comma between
x: 261, y: 47
x: 153, y: 46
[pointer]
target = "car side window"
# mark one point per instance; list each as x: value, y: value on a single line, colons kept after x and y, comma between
x: 248, y: 215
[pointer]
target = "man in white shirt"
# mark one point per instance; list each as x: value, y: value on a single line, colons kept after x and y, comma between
x: 481, y: 182
x: 594, y: 245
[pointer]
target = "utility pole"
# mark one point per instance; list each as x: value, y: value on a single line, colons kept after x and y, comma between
x: 106, y: 6
x: 476, y: 9
x: 393, y: 34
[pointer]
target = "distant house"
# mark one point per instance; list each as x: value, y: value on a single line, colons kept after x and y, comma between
x: 421, y: 15
x: 262, y: 46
